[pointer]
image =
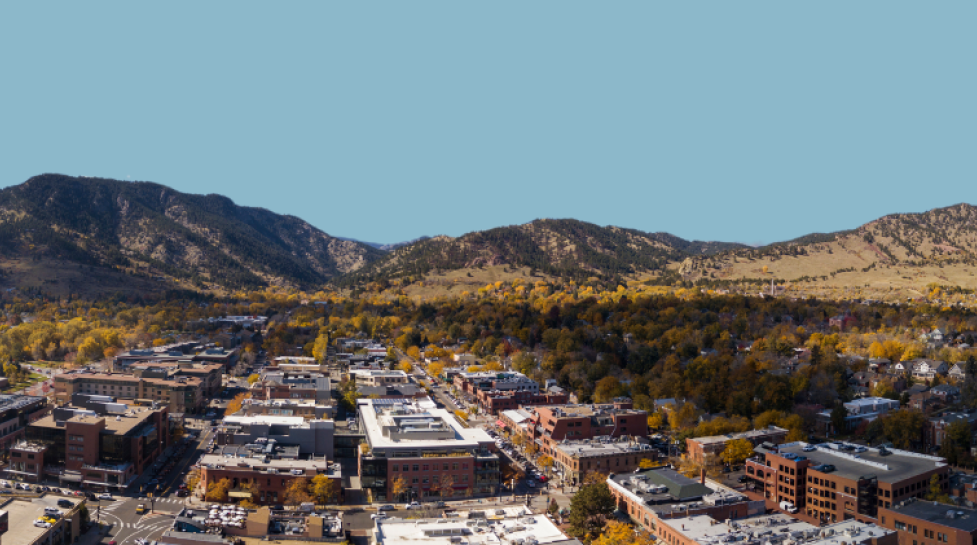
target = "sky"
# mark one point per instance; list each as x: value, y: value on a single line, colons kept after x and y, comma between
x: 384, y: 121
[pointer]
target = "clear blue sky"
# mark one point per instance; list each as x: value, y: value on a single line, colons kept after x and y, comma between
x: 383, y: 121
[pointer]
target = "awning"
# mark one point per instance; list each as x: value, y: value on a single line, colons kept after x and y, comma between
x: 238, y: 494
x: 500, y: 423
x: 70, y: 477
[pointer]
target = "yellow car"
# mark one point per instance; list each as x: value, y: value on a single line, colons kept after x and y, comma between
x: 49, y: 520
x: 141, y: 509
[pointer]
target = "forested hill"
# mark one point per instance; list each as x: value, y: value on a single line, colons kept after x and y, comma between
x: 564, y: 248
x: 147, y: 228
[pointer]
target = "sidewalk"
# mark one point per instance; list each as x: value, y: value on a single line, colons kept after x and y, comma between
x: 93, y: 535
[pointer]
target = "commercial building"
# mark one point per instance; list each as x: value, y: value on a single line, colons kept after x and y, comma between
x: 312, y: 437
x: 17, y: 516
x: 309, y: 410
x: 509, y: 525
x: 16, y: 412
x: 471, y: 383
x: 496, y: 401
x: 270, y: 466
x: 833, y: 482
x: 424, y: 451
x: 769, y: 529
x: 280, y: 384
x: 169, y: 353
x: 182, y: 394
x: 554, y: 423
x: 925, y: 522
x: 700, y: 448
x: 94, y: 442
x: 575, y: 459
x: 379, y: 378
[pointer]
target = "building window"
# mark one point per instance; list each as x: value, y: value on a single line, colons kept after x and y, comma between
x: 396, y: 467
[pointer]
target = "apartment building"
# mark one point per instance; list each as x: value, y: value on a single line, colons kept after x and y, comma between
x: 471, y: 383
x: 700, y: 448
x: 181, y: 394
x: 94, y: 442
x: 496, y: 401
x: 509, y: 525
x: 16, y: 412
x: 934, y: 429
x: 210, y: 374
x: 833, y: 482
x: 920, y: 522
x: 705, y: 530
x: 379, y: 378
x: 309, y: 410
x: 554, y: 423
x: 425, y: 450
x: 270, y: 467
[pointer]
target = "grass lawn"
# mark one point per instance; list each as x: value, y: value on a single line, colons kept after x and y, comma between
x: 32, y: 379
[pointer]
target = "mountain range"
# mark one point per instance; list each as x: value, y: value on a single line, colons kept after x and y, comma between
x: 57, y: 232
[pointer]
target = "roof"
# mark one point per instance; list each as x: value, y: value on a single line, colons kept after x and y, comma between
x: 894, y: 467
x: 490, y: 527
x: 950, y: 516
x: 370, y: 423
x: 123, y: 425
x: 581, y: 449
x: 679, y: 486
x: 751, y: 434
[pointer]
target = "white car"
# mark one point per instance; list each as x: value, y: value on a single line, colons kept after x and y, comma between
x: 5, y: 484
x: 42, y: 524
x: 376, y: 516
x: 106, y: 497
x: 413, y: 505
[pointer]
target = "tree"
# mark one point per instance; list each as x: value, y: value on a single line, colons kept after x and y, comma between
x: 235, y: 404
x: 492, y: 366
x: 254, y: 487
x: 838, y: 415
x: 525, y: 363
x: 324, y: 489
x: 621, y: 533
x: 297, y: 492
x: 956, y: 443
x: 589, y: 509
x: 435, y: 369
x: 655, y: 420
x: 446, y: 488
x: 253, y: 378
x: 737, y: 451
x: 398, y: 487
x: 683, y: 418
x: 607, y: 389
x: 936, y: 492
x: 904, y: 428
x: 545, y: 462
x: 217, y: 491
x: 406, y: 366
x: 647, y: 463
x: 321, y: 348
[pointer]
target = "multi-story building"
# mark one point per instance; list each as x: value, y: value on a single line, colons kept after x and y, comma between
x: 272, y: 468
x: 471, y: 383
x: 379, y: 378
x: 309, y: 410
x: 578, y: 458
x: 859, y: 410
x: 422, y: 452
x: 552, y: 424
x: 699, y: 448
x: 16, y: 412
x: 210, y: 374
x: 312, y: 437
x: 95, y: 442
x: 181, y: 394
x: 509, y: 525
x: 833, y: 482
x: 934, y: 429
x: 496, y: 401
x: 924, y: 523
x: 654, y: 494
x: 706, y: 530
x: 162, y: 354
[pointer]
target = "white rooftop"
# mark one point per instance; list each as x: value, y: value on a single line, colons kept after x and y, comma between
x: 371, y: 423
x: 264, y: 419
x: 499, y: 526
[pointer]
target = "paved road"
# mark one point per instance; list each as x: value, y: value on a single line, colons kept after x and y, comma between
x: 125, y: 526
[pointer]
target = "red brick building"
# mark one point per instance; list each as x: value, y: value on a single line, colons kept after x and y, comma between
x: 554, y: 423
x: 496, y: 401
x: 929, y: 523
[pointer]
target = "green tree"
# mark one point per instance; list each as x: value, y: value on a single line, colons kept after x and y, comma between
x: 956, y: 443
x: 589, y: 509
x: 838, y: 415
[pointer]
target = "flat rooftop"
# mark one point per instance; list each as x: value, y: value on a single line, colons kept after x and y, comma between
x: 121, y: 426
x: 950, y: 516
x: 660, y: 485
x: 580, y: 449
x: 372, y: 410
x: 282, y: 465
x: 264, y: 419
x: 21, y: 514
x: 123, y: 377
x: 896, y: 466
x: 489, y: 527
x: 573, y: 411
x: 749, y: 434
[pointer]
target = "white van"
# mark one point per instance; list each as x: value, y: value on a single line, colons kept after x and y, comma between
x: 788, y: 507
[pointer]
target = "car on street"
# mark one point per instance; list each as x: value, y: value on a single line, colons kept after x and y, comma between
x: 106, y: 497
x: 413, y: 505
x: 386, y: 507
x: 376, y: 516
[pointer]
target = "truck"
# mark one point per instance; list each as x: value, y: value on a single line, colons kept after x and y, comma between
x: 788, y: 507
x: 141, y: 508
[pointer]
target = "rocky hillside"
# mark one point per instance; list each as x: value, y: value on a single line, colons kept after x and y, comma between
x: 561, y: 248
x: 150, y: 229
x: 898, y: 250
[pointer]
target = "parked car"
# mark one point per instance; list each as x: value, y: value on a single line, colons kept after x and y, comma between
x: 65, y: 503
x: 376, y: 516
x: 386, y: 507
x: 413, y: 505
x: 105, y: 496
x: 41, y: 524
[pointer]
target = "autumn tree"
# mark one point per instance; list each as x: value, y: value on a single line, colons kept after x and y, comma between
x: 253, y: 378
x: 217, y: 490
x: 324, y: 489
x: 607, y: 389
x: 737, y: 451
x: 446, y: 488
x: 435, y: 369
x: 320, y: 349
x: 235, y: 404
x: 655, y: 420
x: 298, y: 492
x: 406, y: 366
x: 621, y: 533
x: 398, y: 487
x: 589, y: 509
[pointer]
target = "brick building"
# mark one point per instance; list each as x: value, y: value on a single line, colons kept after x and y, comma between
x: 832, y: 482
x: 698, y: 448
x: 210, y: 374
x: 929, y: 523
x: 423, y: 448
x: 182, y: 394
x: 271, y: 467
x: 578, y: 458
x: 94, y: 443
x: 554, y: 423
x: 496, y: 401
x: 16, y: 412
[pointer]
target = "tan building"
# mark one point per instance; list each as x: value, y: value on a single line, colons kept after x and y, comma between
x: 309, y: 410
x: 210, y: 374
x: 576, y: 459
x: 699, y: 448
x: 182, y: 394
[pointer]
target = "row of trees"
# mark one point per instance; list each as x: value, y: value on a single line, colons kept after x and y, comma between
x: 320, y: 489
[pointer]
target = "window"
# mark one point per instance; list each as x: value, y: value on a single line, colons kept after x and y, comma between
x: 425, y: 467
x: 397, y: 467
x: 414, y: 480
x: 417, y: 467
